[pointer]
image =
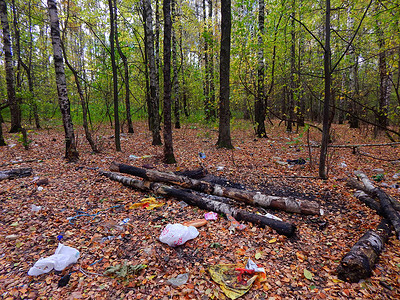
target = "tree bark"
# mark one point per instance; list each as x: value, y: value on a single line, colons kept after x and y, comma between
x: 126, y: 74
x: 154, y: 117
x: 15, y: 108
x: 359, y: 262
x: 224, y: 128
x: 386, y: 205
x: 15, y: 173
x: 259, y: 106
x: 175, y: 81
x: 169, y: 157
x: 249, y: 197
x: 71, y: 153
x: 204, y: 202
x: 117, y: 137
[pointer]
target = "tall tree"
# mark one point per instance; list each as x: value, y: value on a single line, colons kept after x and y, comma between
x: 10, y: 79
x: 175, y: 81
x: 259, y: 106
x: 169, y: 156
x: 292, y: 83
x: 71, y: 152
x: 115, y: 75
x: 224, y: 130
x: 126, y: 74
x: 154, y: 102
x: 327, y: 90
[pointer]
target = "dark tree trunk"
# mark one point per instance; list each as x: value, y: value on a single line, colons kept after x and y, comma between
x: 326, y: 111
x: 292, y: 80
x: 15, y: 108
x: 213, y: 203
x: 175, y: 81
x: 249, y: 197
x: 115, y: 76
x: 359, y: 262
x: 71, y: 152
x: 169, y: 157
x: 259, y: 106
x: 224, y: 130
x: 126, y: 75
x: 2, y: 141
x: 154, y: 116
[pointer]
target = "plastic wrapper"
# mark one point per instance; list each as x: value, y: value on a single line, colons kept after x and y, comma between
x: 178, y: 234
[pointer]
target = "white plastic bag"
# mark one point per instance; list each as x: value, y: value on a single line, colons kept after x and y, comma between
x: 178, y: 234
x: 62, y: 258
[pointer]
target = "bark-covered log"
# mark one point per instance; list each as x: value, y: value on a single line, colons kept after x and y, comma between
x: 15, y: 173
x: 359, y: 262
x: 368, y: 201
x: 288, y: 204
x: 386, y: 205
x: 205, y: 202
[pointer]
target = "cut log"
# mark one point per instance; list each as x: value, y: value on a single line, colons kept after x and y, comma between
x: 15, y: 173
x: 287, y: 204
x: 386, y: 205
x: 368, y: 201
x: 359, y: 262
x: 205, y: 202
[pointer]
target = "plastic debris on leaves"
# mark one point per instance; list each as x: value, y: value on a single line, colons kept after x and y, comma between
x: 211, y: 216
x: 235, y: 224
x: 178, y: 234
x: 148, y: 203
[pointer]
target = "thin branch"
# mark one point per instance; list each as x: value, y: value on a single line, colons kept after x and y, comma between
x: 308, y: 30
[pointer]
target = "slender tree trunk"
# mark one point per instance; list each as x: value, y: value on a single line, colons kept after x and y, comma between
x: 154, y: 97
x: 327, y: 74
x: 259, y: 106
x: 292, y: 83
x: 210, y: 34
x: 353, y: 76
x: 184, y: 91
x: 169, y: 157
x: 207, y: 104
x: 115, y: 76
x: 157, y: 48
x: 10, y: 80
x: 175, y: 81
x: 71, y: 153
x: 224, y: 130
x: 126, y: 75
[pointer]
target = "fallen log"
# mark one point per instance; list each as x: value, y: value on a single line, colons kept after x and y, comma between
x: 386, y: 205
x: 205, y: 202
x: 15, y: 173
x: 287, y: 204
x: 368, y: 201
x: 359, y: 262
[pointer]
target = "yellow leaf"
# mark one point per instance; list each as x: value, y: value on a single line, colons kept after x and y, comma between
x: 258, y: 255
x: 272, y: 241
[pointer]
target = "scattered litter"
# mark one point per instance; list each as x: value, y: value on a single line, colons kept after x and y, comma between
x: 279, y: 161
x: 40, y: 188
x: 124, y: 221
x: 195, y: 223
x: 271, y: 216
x: 64, y: 280
x: 148, y: 203
x: 35, y: 208
x: 124, y: 270
x: 396, y: 176
x: 395, y: 186
x: 134, y: 157
x: 59, y: 237
x: 62, y: 258
x: 299, y: 161
x: 202, y: 155
x: 107, y: 238
x: 379, y: 171
x: 179, y: 280
x: 234, y: 224
x: 182, y: 204
x: 234, y: 280
x: 80, y: 213
x: 220, y: 168
x: 211, y: 216
x: 343, y: 165
x: 178, y: 234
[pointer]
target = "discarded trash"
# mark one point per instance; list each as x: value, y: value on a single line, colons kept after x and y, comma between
x: 179, y: 280
x: 124, y: 270
x: 396, y: 176
x: 62, y: 258
x: 124, y: 221
x: 107, y: 238
x: 134, y: 157
x: 379, y: 171
x: 299, y: 161
x: 59, y: 237
x: 343, y: 165
x: 64, y: 280
x: 11, y: 237
x: 271, y: 216
x: 195, y: 223
x: 202, y: 155
x: 235, y: 224
x: 148, y: 203
x: 220, y: 168
x: 182, y: 204
x: 35, y: 208
x: 234, y: 279
x: 211, y: 216
x: 178, y: 234
x: 40, y: 188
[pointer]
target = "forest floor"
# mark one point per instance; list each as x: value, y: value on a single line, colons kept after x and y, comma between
x: 303, y: 267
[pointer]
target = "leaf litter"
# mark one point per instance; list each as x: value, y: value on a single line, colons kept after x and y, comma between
x: 302, y: 267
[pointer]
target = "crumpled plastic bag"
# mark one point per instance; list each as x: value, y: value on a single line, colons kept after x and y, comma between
x: 178, y: 234
x: 62, y: 258
x: 232, y: 278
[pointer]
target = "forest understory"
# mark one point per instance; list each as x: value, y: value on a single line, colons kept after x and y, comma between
x: 84, y: 210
